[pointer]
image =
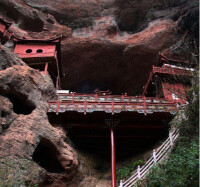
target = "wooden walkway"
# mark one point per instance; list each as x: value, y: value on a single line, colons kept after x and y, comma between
x: 86, y: 103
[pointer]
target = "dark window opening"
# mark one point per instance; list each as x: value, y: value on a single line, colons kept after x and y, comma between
x: 39, y: 51
x: 21, y: 105
x: 46, y: 156
x: 29, y: 51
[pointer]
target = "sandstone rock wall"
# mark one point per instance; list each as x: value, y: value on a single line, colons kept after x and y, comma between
x: 107, y: 44
x: 24, y: 126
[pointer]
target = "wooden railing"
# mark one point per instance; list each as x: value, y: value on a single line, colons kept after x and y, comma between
x: 171, y: 71
x: 158, y: 155
x: 111, y: 107
x: 78, y: 97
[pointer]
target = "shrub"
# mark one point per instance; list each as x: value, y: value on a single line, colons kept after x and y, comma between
x: 182, y: 167
x: 125, y: 172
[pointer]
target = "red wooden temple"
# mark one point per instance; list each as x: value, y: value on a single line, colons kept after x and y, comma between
x: 129, y: 118
x: 167, y: 80
x: 41, y: 54
x: 132, y: 123
x: 5, y: 34
x: 101, y: 117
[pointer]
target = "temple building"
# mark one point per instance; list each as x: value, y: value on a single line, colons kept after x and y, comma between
x: 92, y: 119
x: 168, y: 80
x: 42, y: 54
x: 110, y: 124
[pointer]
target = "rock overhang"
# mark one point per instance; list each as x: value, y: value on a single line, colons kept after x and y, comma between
x: 120, y: 63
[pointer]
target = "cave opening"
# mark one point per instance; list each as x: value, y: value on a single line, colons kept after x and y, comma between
x: 128, y: 143
x: 34, y: 25
x: 46, y: 156
x: 90, y: 134
x: 21, y: 105
x: 109, y: 68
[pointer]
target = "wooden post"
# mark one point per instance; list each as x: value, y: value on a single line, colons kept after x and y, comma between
x: 154, y: 156
x: 57, y: 84
x: 112, y: 123
x: 113, y: 108
x: 58, y: 106
x: 113, y: 164
x: 72, y: 97
x: 85, y: 107
x: 58, y: 71
x: 121, y: 183
x: 45, y: 69
x: 138, y: 172
x: 171, y: 139
x: 122, y: 98
x: 144, y: 105
x: 96, y: 98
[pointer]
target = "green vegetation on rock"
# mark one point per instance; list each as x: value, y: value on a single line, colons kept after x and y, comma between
x: 18, y: 173
x: 182, y: 167
x: 125, y: 172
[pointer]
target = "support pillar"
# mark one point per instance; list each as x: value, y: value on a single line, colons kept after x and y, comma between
x: 58, y: 83
x: 45, y: 69
x: 112, y: 123
x: 113, y: 162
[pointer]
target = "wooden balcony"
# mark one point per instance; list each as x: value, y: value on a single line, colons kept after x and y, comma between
x: 78, y: 97
x: 171, y: 71
x: 112, y: 107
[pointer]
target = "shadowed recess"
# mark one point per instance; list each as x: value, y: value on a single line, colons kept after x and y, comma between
x: 46, y: 156
x: 90, y: 134
x: 21, y: 105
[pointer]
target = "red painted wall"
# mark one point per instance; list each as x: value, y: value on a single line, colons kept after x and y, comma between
x: 48, y: 50
x: 175, y: 92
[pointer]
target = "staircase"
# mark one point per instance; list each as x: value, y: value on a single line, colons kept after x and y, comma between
x: 157, y: 156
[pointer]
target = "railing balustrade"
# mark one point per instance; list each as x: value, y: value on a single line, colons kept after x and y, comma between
x: 78, y: 97
x: 158, y: 155
x: 111, y: 107
x: 172, y: 71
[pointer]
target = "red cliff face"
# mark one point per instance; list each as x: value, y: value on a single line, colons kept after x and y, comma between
x: 107, y: 44
x: 24, y: 128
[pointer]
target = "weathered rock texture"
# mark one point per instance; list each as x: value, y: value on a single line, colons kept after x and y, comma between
x: 115, y: 62
x: 26, y: 132
x: 8, y: 58
x: 24, y: 124
x: 26, y: 85
x: 107, y: 44
x: 6, y: 113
